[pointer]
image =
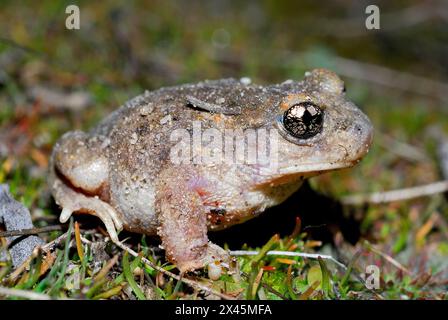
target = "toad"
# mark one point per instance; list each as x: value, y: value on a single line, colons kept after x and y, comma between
x: 184, y: 160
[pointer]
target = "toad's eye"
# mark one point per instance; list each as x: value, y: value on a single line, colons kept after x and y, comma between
x: 303, y: 120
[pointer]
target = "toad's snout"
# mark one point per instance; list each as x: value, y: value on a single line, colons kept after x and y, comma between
x: 361, y: 137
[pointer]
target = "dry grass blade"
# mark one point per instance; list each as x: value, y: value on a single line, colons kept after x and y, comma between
x: 25, y: 232
x: 397, y: 195
x: 47, y: 263
x: 23, y: 294
x: 296, y: 231
x: 13, y: 276
x: 103, y: 272
x: 423, y: 231
x: 78, y: 242
x: 257, y: 282
x: 109, y: 293
x: 308, y: 292
x: 289, y: 253
x: 286, y: 261
x: 391, y: 78
x: 387, y: 257
x: 52, y: 244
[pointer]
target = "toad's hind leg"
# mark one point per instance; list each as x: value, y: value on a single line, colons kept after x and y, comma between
x: 72, y: 201
x: 78, y: 179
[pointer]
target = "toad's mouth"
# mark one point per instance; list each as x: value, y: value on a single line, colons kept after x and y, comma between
x: 301, y: 171
x: 316, y: 167
x: 310, y: 169
x: 345, y: 162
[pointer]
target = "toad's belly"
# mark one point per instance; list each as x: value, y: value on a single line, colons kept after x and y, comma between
x: 224, y: 206
x: 248, y: 205
x: 136, y: 206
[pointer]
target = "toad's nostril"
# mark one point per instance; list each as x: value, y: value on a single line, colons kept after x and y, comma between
x: 345, y: 150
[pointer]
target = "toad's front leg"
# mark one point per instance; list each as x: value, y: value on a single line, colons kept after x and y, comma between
x: 183, y: 225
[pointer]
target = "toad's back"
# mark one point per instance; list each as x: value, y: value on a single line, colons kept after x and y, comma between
x: 138, y: 137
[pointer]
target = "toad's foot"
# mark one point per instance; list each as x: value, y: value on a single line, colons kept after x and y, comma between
x: 216, y: 258
x: 212, y: 256
x: 72, y: 201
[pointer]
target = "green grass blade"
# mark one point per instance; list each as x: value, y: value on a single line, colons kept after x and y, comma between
x: 130, y: 278
x: 326, y: 285
x: 350, y: 268
x: 61, y: 277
